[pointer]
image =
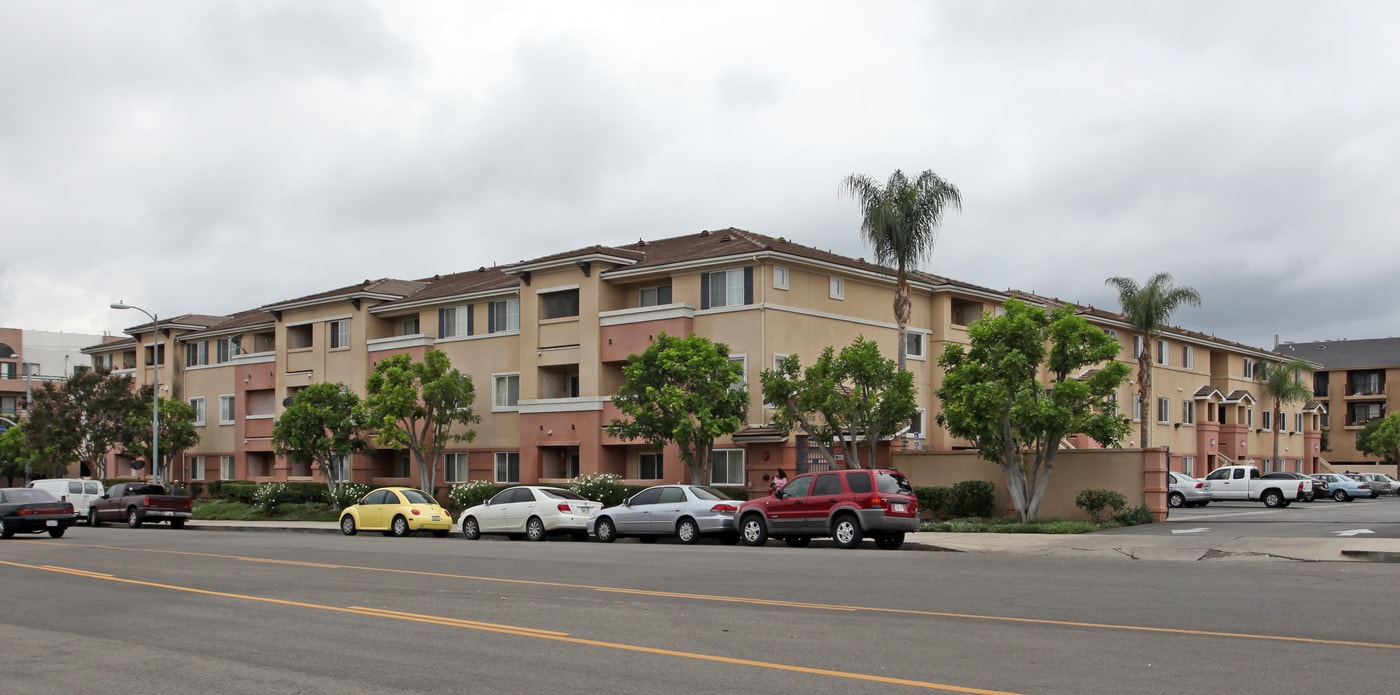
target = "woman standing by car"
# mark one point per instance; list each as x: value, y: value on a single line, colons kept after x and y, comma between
x: 779, y: 480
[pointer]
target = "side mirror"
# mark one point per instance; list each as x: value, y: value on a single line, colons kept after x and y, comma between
x: 778, y: 493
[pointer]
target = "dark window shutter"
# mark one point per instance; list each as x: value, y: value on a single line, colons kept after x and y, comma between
x: 704, y: 290
x: 491, y: 317
x: 748, y: 285
x: 471, y: 315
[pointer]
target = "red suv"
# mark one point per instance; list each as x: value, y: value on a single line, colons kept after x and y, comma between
x: 846, y: 505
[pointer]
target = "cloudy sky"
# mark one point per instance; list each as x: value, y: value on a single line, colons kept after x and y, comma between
x: 209, y: 157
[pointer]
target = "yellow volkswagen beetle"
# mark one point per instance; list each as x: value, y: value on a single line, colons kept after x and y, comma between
x: 396, y: 511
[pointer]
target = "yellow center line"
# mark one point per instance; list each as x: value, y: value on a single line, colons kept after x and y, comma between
x: 747, y: 600
x: 522, y: 632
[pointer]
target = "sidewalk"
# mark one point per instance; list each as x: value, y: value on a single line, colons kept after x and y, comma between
x: 1187, y: 548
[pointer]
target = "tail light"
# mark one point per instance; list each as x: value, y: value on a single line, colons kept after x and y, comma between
x: 724, y: 508
x: 564, y: 508
x: 1363, y: 486
x: 415, y: 512
x: 1200, y: 485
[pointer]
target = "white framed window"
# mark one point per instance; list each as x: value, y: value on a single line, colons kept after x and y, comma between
x: 226, y: 410
x: 1188, y: 357
x: 727, y: 467
x: 649, y: 466
x: 409, y: 326
x: 914, y: 345
x: 198, y: 404
x: 196, y: 471
x: 1164, y: 410
x: 838, y: 288
x: 655, y: 296
x: 226, y: 468
x: 456, y: 465
x: 505, y: 391
x: 1248, y: 368
x: 1110, y: 333
x: 1282, y: 421
x: 454, y: 321
x: 1163, y: 353
x: 1137, y: 407
x: 726, y: 287
x: 780, y: 277
x: 1268, y: 419
x: 558, y: 304
x: 743, y: 380
x: 507, y: 466
x: 1137, y: 346
x: 340, y: 468
x: 1188, y: 412
x: 1188, y: 465
x: 1298, y: 423
x: 505, y: 315
x: 916, y: 425
x: 197, y: 354
x: 1248, y: 417
x: 339, y: 333
x: 225, y: 351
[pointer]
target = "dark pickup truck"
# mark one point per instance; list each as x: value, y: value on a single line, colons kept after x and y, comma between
x: 139, y: 503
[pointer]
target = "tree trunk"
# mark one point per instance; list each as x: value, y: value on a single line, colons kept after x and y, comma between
x: 1275, y: 428
x: 1145, y: 389
x: 901, y: 317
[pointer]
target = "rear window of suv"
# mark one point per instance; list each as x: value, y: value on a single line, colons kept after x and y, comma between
x: 894, y: 483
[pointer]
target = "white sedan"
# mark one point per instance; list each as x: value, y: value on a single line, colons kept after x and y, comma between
x: 533, y: 512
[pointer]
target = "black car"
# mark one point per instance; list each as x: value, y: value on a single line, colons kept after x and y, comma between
x: 31, y: 510
x: 1307, y: 496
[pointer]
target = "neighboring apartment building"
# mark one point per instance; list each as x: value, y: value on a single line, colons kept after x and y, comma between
x: 28, y: 359
x: 1351, y: 385
x: 545, y: 341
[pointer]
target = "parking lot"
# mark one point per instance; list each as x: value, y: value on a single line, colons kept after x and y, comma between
x: 1324, y: 518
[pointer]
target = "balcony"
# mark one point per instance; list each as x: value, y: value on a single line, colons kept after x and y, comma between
x: 627, y: 332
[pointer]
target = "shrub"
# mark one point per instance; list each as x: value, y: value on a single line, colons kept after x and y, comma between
x: 602, y: 487
x: 1134, y: 517
x: 972, y: 498
x: 269, y: 495
x: 471, y: 493
x: 347, y: 494
x: 1095, y: 500
x: 934, y: 500
x: 236, y: 490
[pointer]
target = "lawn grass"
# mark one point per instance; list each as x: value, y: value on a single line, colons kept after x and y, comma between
x: 1009, y: 525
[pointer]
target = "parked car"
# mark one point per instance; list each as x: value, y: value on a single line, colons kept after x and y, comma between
x: 1186, y: 491
x: 80, y: 493
x: 396, y: 511
x: 1379, y: 482
x: 31, y: 510
x: 1394, y: 484
x: 140, y: 503
x: 685, y: 512
x: 1247, y: 483
x: 1343, y: 488
x: 533, y: 512
x: 1308, y: 494
x: 846, y: 505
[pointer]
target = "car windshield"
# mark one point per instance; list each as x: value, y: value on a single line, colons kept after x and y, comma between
x: 894, y: 483
x: 418, y: 497
x: 558, y: 494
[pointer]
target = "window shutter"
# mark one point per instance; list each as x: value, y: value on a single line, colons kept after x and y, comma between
x: 748, y: 285
x: 491, y: 317
x: 471, y: 316
x: 704, y: 290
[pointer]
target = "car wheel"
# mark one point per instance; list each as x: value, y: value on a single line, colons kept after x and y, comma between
x: 347, y: 525
x: 471, y: 530
x: 177, y: 523
x: 605, y: 531
x: 798, y: 541
x: 57, y: 532
x: 133, y: 519
x: 398, y: 528
x: 729, y: 538
x: 1273, y: 498
x: 1176, y: 500
x: 753, y: 531
x: 846, y: 532
x: 5, y: 531
x: 534, y: 529
x: 688, y: 532
x: 92, y: 519
x: 1340, y: 496
x: 889, y: 541
x: 439, y: 534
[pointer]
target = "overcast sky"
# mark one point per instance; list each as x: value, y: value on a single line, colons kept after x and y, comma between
x: 209, y: 157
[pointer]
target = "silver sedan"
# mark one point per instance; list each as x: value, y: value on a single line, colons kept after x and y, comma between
x: 685, y: 512
x: 1187, y: 491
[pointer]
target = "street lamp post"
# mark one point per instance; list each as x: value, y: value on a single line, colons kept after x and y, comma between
x: 155, y: 388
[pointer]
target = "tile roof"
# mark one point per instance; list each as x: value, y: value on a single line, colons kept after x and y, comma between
x: 384, y: 286
x: 1347, y: 354
x: 454, y: 285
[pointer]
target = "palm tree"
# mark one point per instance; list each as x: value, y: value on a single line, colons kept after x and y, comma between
x: 900, y: 221
x: 1283, y: 383
x: 1148, y: 308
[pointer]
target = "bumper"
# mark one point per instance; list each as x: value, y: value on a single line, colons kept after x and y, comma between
x: 166, y: 514
x: 444, y: 523
x: 877, y: 521
x: 38, y: 524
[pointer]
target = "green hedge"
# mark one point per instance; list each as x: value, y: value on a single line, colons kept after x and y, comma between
x: 967, y: 499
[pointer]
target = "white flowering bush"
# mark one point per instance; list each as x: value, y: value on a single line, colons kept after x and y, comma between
x: 471, y: 493
x: 602, y: 487
x: 347, y: 494
x: 269, y: 496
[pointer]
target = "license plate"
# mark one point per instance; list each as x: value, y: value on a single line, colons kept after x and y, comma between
x: 51, y: 522
x: 897, y: 507
x: 437, y: 518
x: 586, y: 511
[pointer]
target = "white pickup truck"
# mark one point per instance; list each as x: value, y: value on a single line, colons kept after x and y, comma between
x: 1245, y: 483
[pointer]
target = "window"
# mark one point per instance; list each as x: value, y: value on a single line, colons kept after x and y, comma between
x: 1364, y: 383
x: 299, y: 337
x: 225, y: 410
x: 1164, y: 410
x: 557, y: 305
x: 505, y: 391
x: 743, y: 380
x: 198, y: 405
x: 340, y: 468
x: 1188, y: 465
x: 1137, y: 346
x: 507, y: 467
x: 226, y: 350
x: 1282, y: 421
x: 339, y: 333
x: 726, y: 288
x: 196, y: 471
x: 1248, y: 417
x: 656, y: 296
x: 838, y: 288
x: 197, y: 354
x: 7, y: 370
x: 1110, y: 333
x: 914, y: 345
x: 1137, y: 407
x: 1248, y: 368
x: 1321, y: 382
x: 226, y: 468
x: 727, y: 467
x: 1188, y: 357
x: 1298, y: 423
x: 1163, y: 352
x: 649, y: 466
x: 1268, y: 419
x: 409, y: 326
x: 504, y: 315
x: 780, y: 277
x: 9, y: 406
x: 916, y: 425
x: 454, y: 321
x: 1362, y: 413
x: 1188, y: 412
x: 456, y: 468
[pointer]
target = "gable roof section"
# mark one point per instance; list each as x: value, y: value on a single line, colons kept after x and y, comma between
x: 384, y: 289
x: 441, y: 289
x: 1347, y: 354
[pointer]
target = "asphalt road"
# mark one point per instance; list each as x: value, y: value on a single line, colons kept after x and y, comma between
x: 1324, y: 518
x: 162, y: 611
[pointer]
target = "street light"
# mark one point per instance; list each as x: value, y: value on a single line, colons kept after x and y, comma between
x: 155, y: 388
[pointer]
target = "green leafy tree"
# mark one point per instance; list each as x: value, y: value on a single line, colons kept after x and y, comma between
x: 682, y: 390
x: 323, y: 421
x: 900, y: 220
x: 418, y: 405
x: 84, y: 418
x: 1149, y: 308
x: 853, y: 394
x: 1283, y: 383
x: 17, y: 458
x: 177, y: 432
x: 1029, y: 379
x: 1381, y: 438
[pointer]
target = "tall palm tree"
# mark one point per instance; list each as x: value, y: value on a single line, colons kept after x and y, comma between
x: 900, y: 222
x: 1283, y: 383
x: 1148, y: 308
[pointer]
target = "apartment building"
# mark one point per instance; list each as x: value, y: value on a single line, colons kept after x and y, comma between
x: 1351, y: 383
x: 545, y: 340
x: 29, y: 358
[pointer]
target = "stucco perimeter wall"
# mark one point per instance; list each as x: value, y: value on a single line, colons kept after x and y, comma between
x: 1139, y: 474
